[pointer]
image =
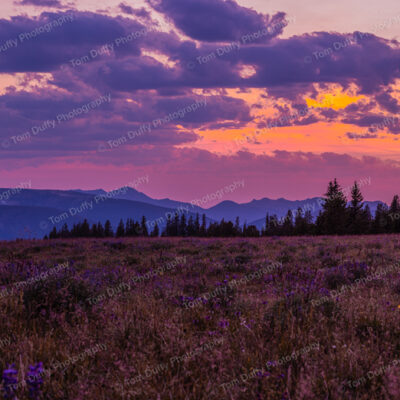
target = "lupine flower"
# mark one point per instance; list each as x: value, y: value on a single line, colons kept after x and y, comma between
x: 262, y: 374
x: 34, y: 380
x: 223, y: 323
x: 10, y: 382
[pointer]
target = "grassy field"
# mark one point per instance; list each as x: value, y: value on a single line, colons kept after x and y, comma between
x: 266, y: 318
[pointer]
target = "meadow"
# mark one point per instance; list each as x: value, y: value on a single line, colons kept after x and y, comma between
x: 201, y: 318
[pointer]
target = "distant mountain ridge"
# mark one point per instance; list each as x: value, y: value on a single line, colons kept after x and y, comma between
x: 32, y: 213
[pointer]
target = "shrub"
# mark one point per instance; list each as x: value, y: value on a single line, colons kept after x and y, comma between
x: 56, y: 297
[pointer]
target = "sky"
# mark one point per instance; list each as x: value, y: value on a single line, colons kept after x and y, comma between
x: 197, y: 95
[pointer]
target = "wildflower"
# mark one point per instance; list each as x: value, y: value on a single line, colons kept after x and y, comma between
x: 261, y: 374
x: 223, y: 323
x: 34, y: 380
x: 10, y: 382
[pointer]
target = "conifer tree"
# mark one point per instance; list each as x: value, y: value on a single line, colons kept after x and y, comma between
x: 299, y: 223
x: 93, y: 231
x: 156, y: 231
x: 168, y: 228
x: 175, y: 225
x: 108, y: 231
x: 308, y: 221
x: 380, y: 223
x: 65, y: 231
x: 120, y: 229
x: 182, y: 226
x: 53, y: 234
x: 203, y: 229
x: 197, y: 225
x: 394, y: 214
x: 85, y: 229
x: 191, y: 230
x: 356, y: 214
x: 143, y: 226
x: 237, y: 229
x: 332, y: 220
x: 287, y: 228
x: 366, y: 219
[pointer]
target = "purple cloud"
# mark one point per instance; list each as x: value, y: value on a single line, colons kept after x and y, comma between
x: 41, y: 3
x: 28, y: 129
x: 375, y: 122
x: 279, y: 65
x: 138, y: 12
x: 44, y: 43
x: 218, y: 20
x: 156, y: 88
x: 358, y: 136
x: 388, y: 103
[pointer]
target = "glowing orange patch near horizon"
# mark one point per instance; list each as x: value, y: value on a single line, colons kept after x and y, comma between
x: 334, y: 101
x: 317, y: 138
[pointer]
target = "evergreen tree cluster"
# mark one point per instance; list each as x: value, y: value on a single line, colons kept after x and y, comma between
x: 176, y: 226
x: 130, y: 228
x: 336, y: 218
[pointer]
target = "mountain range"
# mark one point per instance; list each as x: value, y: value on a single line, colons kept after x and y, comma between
x: 33, y: 213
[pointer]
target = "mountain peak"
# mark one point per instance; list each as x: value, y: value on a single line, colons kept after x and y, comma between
x: 94, y: 191
x: 227, y: 203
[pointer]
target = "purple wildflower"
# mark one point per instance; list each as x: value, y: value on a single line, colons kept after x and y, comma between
x: 223, y: 323
x: 10, y: 382
x: 34, y: 380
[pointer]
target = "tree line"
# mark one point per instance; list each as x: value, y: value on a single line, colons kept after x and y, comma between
x: 337, y: 217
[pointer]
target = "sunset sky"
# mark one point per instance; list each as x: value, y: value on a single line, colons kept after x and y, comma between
x: 198, y: 94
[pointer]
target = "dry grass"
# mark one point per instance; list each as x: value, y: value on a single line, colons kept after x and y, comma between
x: 309, y: 329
